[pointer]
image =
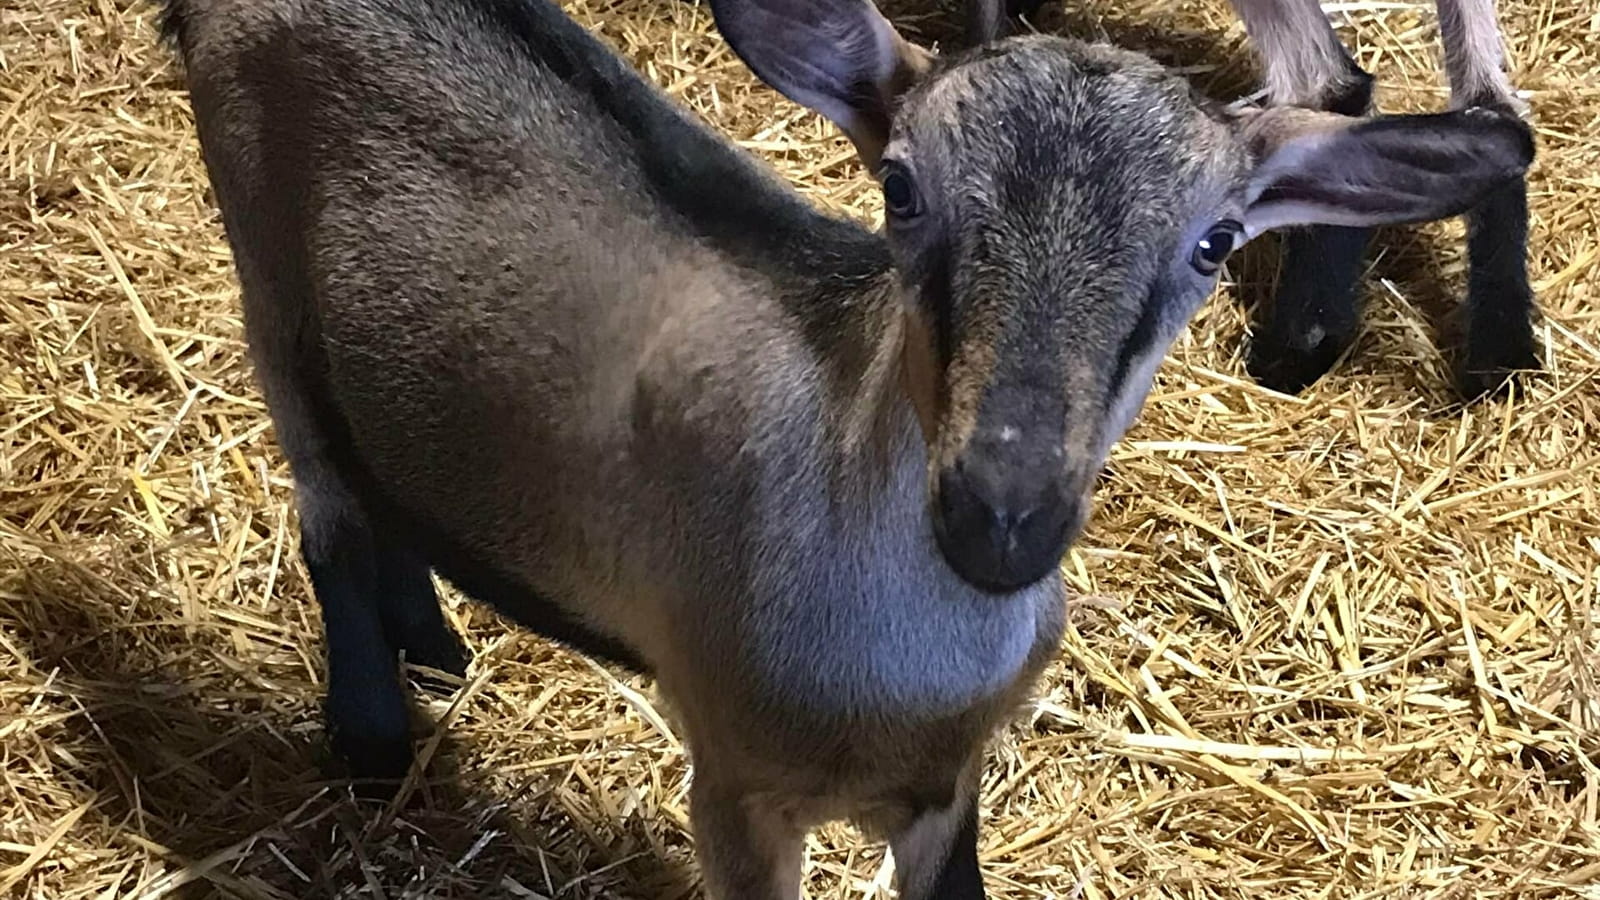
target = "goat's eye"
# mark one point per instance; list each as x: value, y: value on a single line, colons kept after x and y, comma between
x: 1213, y: 249
x: 900, y: 195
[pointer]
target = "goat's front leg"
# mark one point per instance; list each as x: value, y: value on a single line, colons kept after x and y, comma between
x: 749, y: 847
x: 1315, y: 314
x: 936, y: 855
x: 1500, y: 304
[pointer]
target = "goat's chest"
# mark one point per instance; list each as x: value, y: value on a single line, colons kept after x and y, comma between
x: 904, y: 641
x: 868, y: 681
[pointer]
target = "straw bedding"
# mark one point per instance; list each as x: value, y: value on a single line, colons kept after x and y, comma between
x: 1341, y: 645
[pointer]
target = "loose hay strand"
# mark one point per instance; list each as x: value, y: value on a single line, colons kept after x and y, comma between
x: 1335, y: 645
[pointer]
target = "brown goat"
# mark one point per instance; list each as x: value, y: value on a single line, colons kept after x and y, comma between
x: 522, y: 321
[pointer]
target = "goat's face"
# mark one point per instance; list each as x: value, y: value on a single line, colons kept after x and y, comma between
x: 1057, y: 212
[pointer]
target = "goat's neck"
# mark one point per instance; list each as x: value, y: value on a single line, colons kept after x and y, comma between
x: 871, y: 370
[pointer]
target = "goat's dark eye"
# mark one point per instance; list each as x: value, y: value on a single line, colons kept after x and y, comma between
x: 900, y: 196
x: 1213, y: 249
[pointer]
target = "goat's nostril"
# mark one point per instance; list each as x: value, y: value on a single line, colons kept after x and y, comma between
x: 1023, y: 518
x: 999, y: 518
x: 1005, y: 526
x: 1006, y: 519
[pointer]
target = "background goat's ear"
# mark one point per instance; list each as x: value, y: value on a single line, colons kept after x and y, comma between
x: 1316, y: 168
x: 986, y: 21
x: 841, y: 58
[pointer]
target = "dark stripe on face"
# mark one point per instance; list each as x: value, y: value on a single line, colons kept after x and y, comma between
x: 1144, y: 332
x: 938, y: 303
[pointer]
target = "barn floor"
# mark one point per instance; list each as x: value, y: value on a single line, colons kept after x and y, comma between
x: 1342, y: 645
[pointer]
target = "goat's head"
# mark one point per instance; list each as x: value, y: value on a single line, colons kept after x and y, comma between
x: 1057, y: 212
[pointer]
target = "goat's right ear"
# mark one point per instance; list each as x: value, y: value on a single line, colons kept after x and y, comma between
x: 1318, y: 168
x: 841, y: 58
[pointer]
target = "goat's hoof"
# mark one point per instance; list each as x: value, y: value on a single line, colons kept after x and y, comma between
x: 369, y: 732
x: 1290, y: 369
x: 1489, y: 374
x: 376, y: 765
x: 443, y: 653
x: 1499, y: 343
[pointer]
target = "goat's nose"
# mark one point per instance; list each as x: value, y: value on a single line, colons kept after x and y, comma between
x: 1001, y: 532
x: 974, y: 509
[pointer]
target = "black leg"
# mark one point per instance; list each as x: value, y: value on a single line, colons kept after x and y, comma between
x: 1500, y: 305
x: 410, y: 613
x: 1316, y: 312
x: 369, y: 719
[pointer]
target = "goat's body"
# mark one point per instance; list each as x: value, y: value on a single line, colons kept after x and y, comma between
x: 494, y: 332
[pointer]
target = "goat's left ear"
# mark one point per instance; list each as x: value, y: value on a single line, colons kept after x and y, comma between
x: 842, y: 58
x: 1317, y: 168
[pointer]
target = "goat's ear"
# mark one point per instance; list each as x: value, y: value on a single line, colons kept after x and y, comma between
x: 841, y: 58
x: 1316, y: 168
x: 986, y: 21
